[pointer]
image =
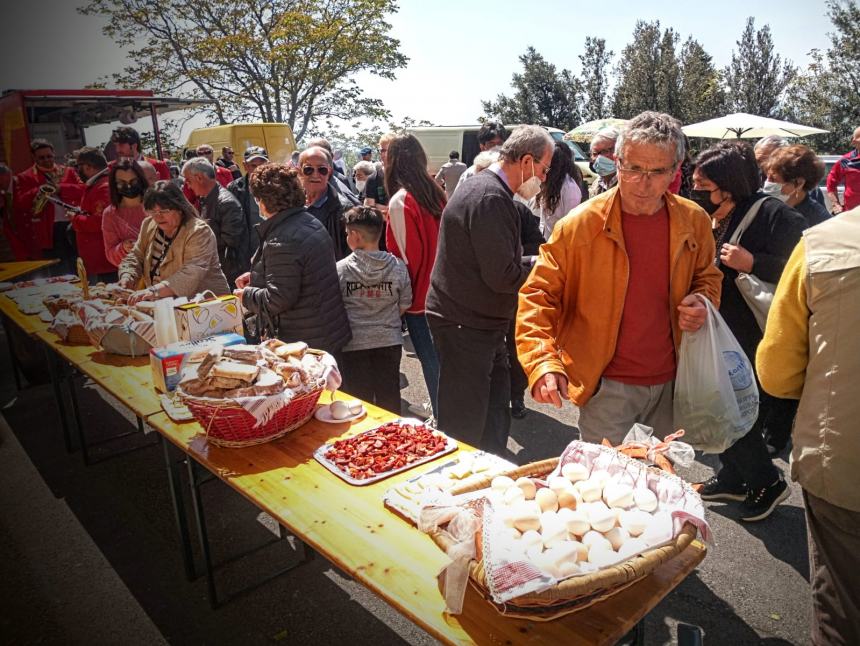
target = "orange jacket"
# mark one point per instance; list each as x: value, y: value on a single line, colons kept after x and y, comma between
x: 570, y: 307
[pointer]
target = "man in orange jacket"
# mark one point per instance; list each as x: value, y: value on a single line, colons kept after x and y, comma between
x: 40, y: 225
x: 600, y: 317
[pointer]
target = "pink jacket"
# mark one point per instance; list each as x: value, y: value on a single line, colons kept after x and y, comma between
x: 118, y: 225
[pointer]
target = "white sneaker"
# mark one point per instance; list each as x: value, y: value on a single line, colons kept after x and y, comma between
x: 421, y: 411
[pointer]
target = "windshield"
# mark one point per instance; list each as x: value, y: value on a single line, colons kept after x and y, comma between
x: 578, y: 155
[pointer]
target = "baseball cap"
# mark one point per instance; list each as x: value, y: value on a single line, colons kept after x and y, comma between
x: 367, y: 150
x: 255, y: 152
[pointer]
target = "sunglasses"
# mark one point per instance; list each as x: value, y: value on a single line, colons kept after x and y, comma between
x: 309, y: 170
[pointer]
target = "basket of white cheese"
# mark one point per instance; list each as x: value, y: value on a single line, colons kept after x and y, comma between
x: 556, y: 536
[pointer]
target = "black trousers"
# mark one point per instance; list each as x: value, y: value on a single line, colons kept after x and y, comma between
x: 474, y: 385
x: 64, y: 248
x: 780, y: 420
x: 373, y: 375
x: 519, y: 381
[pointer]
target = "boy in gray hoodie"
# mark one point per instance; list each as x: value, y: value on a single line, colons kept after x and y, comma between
x: 376, y: 291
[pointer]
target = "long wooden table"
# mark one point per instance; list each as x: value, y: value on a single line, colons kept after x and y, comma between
x: 11, y: 270
x: 349, y: 525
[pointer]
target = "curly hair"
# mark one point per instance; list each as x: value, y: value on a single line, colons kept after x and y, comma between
x: 277, y: 186
x: 560, y: 168
x: 797, y: 161
x: 406, y: 168
x: 732, y: 167
x: 167, y: 195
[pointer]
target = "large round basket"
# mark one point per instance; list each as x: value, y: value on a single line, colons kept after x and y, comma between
x: 228, y: 424
x: 575, y: 593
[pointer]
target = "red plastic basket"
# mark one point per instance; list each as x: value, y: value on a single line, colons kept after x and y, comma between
x: 228, y: 424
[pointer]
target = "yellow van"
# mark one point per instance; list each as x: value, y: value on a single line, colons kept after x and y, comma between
x: 276, y: 138
x: 439, y: 141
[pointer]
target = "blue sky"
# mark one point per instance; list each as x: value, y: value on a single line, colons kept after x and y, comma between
x: 460, y: 51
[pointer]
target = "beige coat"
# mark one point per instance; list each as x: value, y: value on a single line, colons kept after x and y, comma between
x: 811, y: 351
x: 190, y: 267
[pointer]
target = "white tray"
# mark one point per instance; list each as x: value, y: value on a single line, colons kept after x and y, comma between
x: 319, y: 456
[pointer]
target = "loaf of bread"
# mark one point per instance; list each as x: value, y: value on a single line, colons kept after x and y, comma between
x: 242, y: 372
x: 243, y: 353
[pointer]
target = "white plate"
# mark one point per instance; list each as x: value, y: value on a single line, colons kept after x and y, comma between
x: 323, y: 414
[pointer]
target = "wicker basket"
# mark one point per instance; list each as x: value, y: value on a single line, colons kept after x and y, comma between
x: 228, y: 424
x: 575, y: 593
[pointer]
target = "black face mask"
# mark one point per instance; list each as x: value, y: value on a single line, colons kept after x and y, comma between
x: 82, y: 175
x: 703, y: 199
x: 130, y: 190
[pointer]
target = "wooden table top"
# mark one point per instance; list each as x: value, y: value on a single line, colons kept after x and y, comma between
x: 12, y: 270
x: 350, y: 527
x: 29, y: 323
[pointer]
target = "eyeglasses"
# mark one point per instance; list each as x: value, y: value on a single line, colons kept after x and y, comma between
x: 157, y: 213
x: 309, y: 170
x: 637, y: 175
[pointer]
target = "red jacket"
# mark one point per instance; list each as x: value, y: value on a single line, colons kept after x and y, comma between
x: 88, y: 226
x: 846, y: 170
x: 418, y: 232
x: 223, y: 176
x: 35, y: 232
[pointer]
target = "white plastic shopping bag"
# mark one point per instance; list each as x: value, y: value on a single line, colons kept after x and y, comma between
x: 716, y: 397
x: 165, y: 323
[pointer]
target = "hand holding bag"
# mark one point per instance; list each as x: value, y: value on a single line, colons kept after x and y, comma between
x: 757, y: 293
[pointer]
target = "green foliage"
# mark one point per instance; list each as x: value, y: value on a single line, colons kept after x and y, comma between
x: 647, y: 72
x: 827, y: 93
x: 542, y: 95
x: 288, y: 61
x: 594, y: 80
x: 700, y: 87
x: 757, y: 76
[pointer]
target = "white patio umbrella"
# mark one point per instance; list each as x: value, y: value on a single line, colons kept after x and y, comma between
x: 747, y: 126
x: 585, y: 132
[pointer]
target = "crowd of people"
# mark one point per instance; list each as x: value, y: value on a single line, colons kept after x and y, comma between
x: 512, y: 276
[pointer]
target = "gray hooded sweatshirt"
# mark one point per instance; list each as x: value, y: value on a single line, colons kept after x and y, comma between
x: 375, y: 287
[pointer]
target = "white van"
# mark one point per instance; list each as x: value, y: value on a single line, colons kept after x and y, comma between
x: 439, y: 141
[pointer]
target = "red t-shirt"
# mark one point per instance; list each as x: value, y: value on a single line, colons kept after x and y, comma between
x: 645, y: 351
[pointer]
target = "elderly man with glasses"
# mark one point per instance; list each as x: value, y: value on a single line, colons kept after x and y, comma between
x: 600, y: 317
x: 322, y: 200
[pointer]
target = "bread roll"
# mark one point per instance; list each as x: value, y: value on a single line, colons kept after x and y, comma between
x: 590, y: 489
x: 635, y: 521
x: 513, y: 495
x: 575, y: 521
x: 526, y: 517
x: 528, y: 487
x: 618, y: 495
x: 233, y: 370
x: 574, y: 471
x: 567, y: 499
x: 547, y: 499
x: 645, y: 499
x: 617, y: 536
x: 601, y: 517
x: 501, y: 483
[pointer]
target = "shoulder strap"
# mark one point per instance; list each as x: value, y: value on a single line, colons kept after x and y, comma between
x: 747, y: 221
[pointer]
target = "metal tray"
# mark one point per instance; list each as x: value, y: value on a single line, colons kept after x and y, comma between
x: 319, y: 456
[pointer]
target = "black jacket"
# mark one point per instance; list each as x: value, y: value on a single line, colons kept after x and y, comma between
x: 239, y: 188
x: 530, y: 234
x: 478, y: 268
x: 223, y: 213
x: 294, y: 290
x: 331, y: 215
x: 770, y: 238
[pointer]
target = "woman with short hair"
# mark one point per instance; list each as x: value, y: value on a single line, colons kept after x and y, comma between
x: 175, y: 253
x: 292, y: 290
x: 792, y: 172
x: 726, y: 184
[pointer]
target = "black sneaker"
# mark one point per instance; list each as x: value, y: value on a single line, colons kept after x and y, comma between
x: 761, y: 502
x: 518, y: 409
x: 714, y: 489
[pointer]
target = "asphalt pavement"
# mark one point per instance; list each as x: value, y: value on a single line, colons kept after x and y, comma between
x: 114, y: 519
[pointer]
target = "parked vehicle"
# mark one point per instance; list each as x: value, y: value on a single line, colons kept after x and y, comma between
x: 276, y: 138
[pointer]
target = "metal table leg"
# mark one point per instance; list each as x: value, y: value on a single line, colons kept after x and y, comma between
x: 174, y: 477
x: 58, y: 397
x: 69, y: 373
x: 16, y: 366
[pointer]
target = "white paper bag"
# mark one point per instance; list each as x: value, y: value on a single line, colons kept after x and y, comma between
x: 165, y: 323
x: 716, y: 397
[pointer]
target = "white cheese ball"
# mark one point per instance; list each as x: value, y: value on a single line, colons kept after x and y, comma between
x: 617, y: 536
x: 590, y: 490
x: 558, y: 483
x: 575, y: 521
x: 567, y: 498
x: 645, y: 499
x: 618, y: 495
x: 574, y: 471
x: 513, y: 495
x: 547, y: 499
x: 593, y: 538
x: 501, y: 484
x: 635, y: 521
x: 601, y: 518
x: 528, y: 487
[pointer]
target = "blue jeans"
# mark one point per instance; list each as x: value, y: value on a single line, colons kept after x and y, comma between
x: 419, y: 333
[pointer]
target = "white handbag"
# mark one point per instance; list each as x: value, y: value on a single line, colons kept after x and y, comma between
x: 757, y: 293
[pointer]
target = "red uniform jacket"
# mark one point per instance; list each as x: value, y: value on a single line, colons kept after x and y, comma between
x: 35, y: 232
x: 88, y: 226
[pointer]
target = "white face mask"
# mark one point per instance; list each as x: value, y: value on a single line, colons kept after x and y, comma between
x: 360, y: 184
x: 531, y: 187
x: 774, y: 189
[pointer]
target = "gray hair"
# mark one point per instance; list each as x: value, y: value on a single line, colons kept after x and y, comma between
x: 316, y: 150
x: 365, y: 167
x: 771, y: 141
x: 483, y: 159
x: 199, y: 166
x: 526, y: 140
x: 609, y: 133
x: 655, y: 128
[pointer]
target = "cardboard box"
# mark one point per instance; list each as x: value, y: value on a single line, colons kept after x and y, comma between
x: 167, y: 362
x: 200, y: 320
